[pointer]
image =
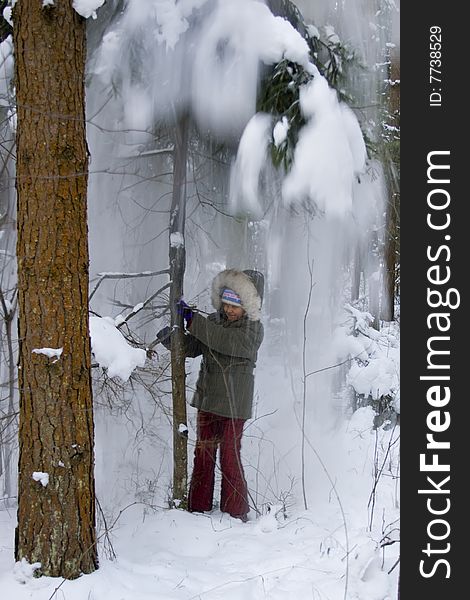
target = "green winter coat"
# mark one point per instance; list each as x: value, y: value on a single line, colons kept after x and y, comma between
x: 229, y: 349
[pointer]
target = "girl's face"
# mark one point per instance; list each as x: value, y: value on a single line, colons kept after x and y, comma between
x: 233, y: 313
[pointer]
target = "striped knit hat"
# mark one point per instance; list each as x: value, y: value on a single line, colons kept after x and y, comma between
x: 230, y: 297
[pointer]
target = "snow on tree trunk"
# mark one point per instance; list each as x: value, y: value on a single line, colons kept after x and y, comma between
x: 56, y: 514
x: 177, y: 268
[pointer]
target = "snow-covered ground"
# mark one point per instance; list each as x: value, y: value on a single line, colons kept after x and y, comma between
x: 332, y: 550
x: 177, y: 555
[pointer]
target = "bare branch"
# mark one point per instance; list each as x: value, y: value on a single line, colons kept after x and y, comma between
x: 155, y: 152
x: 141, y: 306
x: 103, y: 276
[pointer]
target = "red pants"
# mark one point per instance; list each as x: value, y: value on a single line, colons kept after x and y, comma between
x: 212, y: 431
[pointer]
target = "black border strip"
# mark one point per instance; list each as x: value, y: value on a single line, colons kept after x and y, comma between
x: 433, y: 131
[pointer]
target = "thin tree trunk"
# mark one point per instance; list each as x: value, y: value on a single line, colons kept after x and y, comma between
x: 177, y: 269
x: 391, y: 222
x: 56, y: 519
x: 8, y: 426
x: 390, y: 260
x: 373, y: 279
x: 356, y: 276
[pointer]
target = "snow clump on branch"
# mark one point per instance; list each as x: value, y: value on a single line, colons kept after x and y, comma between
x: 328, y: 155
x: 112, y: 351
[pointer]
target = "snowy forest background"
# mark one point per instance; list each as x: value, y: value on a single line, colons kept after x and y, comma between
x: 309, y: 196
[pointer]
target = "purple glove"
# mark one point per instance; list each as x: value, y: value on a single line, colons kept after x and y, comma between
x: 185, y: 311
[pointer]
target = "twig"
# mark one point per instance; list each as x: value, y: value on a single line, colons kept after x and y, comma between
x: 304, y: 368
x: 154, y: 152
x: 394, y: 565
x: 332, y: 366
x: 143, y: 304
x: 106, y: 532
x: 379, y: 471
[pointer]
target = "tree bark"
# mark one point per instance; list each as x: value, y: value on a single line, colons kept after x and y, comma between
x: 177, y: 269
x: 56, y: 522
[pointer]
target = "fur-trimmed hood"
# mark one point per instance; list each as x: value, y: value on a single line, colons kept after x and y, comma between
x: 249, y: 285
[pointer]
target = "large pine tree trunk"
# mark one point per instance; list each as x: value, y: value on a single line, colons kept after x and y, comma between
x: 56, y: 522
x: 177, y: 268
